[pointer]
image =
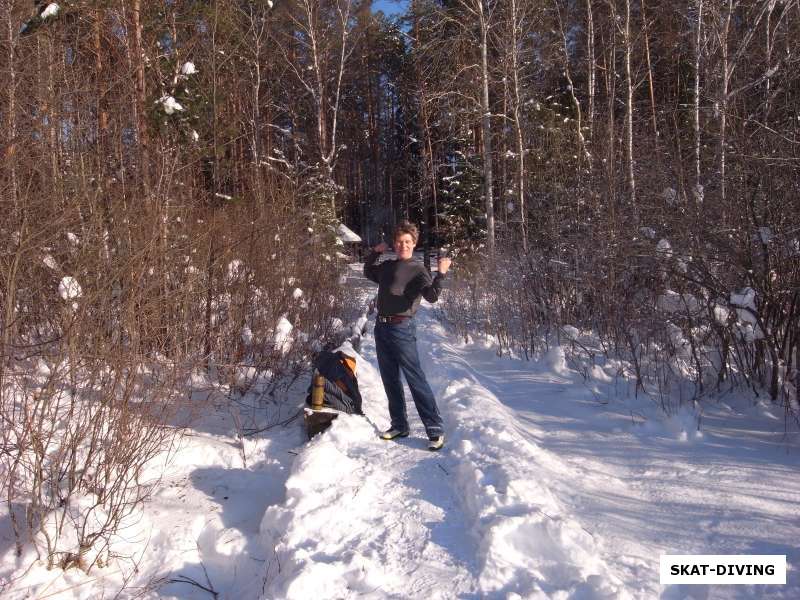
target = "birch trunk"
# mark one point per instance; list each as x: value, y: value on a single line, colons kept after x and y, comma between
x: 611, y: 152
x: 768, y: 44
x: 520, y: 147
x: 11, y: 162
x: 141, y: 91
x: 629, y: 105
x: 590, y: 66
x: 486, y: 129
x: 571, y: 88
x: 645, y: 27
x: 723, y: 116
x: 102, y: 114
x: 10, y: 158
x: 697, y: 54
x: 256, y: 141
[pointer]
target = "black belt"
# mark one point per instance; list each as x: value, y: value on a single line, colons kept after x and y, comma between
x: 392, y: 318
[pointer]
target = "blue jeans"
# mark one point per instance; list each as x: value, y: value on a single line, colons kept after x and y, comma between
x: 396, y: 344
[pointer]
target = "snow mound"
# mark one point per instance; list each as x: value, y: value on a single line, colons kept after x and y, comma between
x: 527, y: 544
x: 672, y: 302
x: 330, y: 512
x: 69, y: 289
x: 50, y: 262
x: 556, y: 360
x: 51, y: 10
x: 682, y: 426
x: 283, y: 335
x: 169, y: 104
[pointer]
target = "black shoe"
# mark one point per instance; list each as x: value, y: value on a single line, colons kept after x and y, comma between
x: 390, y: 434
x: 436, y: 443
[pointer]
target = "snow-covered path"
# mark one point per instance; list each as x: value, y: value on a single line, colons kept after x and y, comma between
x: 391, y: 519
x: 546, y: 489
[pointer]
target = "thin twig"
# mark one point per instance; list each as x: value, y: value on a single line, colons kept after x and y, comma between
x: 272, y: 425
x: 190, y: 581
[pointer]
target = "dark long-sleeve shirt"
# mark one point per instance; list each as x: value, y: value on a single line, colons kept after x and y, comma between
x: 401, y: 284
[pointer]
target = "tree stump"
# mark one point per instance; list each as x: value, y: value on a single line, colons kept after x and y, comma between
x: 318, y: 421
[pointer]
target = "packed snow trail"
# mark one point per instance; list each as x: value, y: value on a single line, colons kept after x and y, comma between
x: 549, y: 486
x: 370, y: 518
x: 391, y: 519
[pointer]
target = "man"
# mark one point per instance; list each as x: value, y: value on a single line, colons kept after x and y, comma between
x: 401, y: 284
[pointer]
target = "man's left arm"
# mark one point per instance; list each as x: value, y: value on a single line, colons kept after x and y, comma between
x: 432, y: 287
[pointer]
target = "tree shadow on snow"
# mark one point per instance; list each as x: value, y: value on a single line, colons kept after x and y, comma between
x: 233, y: 561
x: 7, y: 539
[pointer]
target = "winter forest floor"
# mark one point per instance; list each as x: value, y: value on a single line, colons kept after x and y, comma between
x: 549, y: 486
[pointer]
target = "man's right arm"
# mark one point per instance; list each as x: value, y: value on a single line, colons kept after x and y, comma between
x: 372, y: 269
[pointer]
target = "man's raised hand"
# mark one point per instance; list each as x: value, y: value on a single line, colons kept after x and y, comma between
x: 444, y: 264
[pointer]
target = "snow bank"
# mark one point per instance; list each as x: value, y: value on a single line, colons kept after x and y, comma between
x: 331, y: 509
x: 527, y: 544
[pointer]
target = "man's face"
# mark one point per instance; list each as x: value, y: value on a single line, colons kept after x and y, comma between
x: 404, y: 246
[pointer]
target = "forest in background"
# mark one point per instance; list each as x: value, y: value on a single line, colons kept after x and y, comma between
x: 172, y: 172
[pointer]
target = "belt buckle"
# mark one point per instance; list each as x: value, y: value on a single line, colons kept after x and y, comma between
x: 390, y: 319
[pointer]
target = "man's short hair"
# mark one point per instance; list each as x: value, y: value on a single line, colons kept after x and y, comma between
x: 409, y: 228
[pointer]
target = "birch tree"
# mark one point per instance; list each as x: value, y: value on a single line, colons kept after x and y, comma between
x: 317, y: 51
x: 483, y: 14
